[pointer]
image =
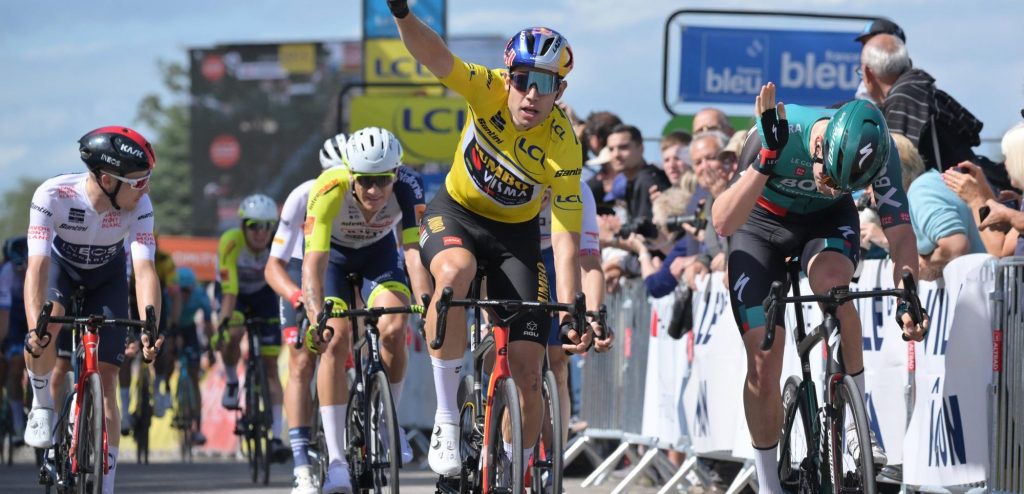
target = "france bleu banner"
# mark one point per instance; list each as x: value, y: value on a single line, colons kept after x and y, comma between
x: 378, y: 23
x: 726, y: 65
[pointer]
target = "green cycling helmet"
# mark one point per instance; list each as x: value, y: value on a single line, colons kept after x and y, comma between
x: 856, y: 145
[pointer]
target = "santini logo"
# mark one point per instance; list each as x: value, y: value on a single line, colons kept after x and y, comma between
x: 568, y: 173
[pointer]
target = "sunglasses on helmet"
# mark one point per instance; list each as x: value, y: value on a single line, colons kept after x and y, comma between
x: 369, y: 180
x: 258, y: 225
x: 546, y: 83
x: 135, y: 183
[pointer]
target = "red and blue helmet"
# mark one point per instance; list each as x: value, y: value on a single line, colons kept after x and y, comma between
x: 541, y: 48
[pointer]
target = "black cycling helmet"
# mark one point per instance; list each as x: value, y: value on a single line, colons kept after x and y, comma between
x: 116, y: 150
x: 16, y: 250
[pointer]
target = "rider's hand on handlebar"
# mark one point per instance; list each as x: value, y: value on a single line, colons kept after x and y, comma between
x: 578, y: 343
x: 34, y: 345
x: 601, y: 343
x: 314, y: 343
x: 911, y: 331
x: 148, y: 353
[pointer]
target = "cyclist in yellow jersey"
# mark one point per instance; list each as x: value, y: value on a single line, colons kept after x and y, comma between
x: 241, y: 259
x: 516, y: 144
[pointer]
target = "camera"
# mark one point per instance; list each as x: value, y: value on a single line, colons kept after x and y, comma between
x: 699, y: 221
x: 643, y: 227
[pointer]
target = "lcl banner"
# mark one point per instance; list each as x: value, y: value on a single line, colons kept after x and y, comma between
x: 726, y: 65
x: 427, y: 127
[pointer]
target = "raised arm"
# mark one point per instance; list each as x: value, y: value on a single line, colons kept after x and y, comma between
x: 422, y: 42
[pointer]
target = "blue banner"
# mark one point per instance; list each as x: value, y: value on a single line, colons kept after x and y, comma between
x: 724, y: 65
x: 378, y: 23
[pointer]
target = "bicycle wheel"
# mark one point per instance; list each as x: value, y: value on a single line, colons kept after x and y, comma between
x: 470, y: 436
x: 6, y: 433
x: 265, y: 419
x: 503, y: 475
x: 551, y: 450
x: 143, y: 416
x: 852, y: 471
x: 355, y: 439
x: 251, y: 425
x: 318, y: 453
x: 384, y: 451
x: 185, y: 418
x: 89, y: 456
x: 797, y: 470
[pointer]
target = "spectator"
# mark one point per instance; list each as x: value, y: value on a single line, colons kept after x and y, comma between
x: 872, y: 29
x: 943, y: 224
x: 675, y: 158
x: 627, y: 157
x: 596, y: 130
x: 661, y: 277
x: 1000, y: 214
x: 942, y: 130
x: 717, y: 167
x: 712, y: 119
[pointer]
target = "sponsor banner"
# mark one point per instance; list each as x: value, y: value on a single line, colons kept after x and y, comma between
x: 427, y: 127
x: 198, y: 253
x: 378, y: 22
x: 388, y: 61
x: 726, y: 65
x: 663, y: 416
x: 947, y: 439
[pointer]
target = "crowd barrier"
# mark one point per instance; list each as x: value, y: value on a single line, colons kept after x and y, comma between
x: 938, y: 407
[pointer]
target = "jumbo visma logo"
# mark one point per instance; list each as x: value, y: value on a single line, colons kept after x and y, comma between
x: 495, y: 179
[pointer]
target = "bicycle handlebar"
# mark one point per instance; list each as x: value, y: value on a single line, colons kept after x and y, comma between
x: 775, y: 303
x: 147, y: 327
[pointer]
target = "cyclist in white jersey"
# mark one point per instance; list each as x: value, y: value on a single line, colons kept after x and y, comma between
x: 283, y: 274
x: 79, y: 222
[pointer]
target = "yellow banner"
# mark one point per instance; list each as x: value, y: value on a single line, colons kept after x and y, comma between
x: 387, y: 60
x: 297, y: 59
x: 427, y: 126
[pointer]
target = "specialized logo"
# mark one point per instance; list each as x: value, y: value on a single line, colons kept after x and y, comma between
x: 76, y: 215
x: 494, y: 179
x: 847, y: 231
x: 864, y: 153
x: 740, y: 285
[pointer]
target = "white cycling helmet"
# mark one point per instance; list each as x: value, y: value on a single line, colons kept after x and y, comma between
x: 258, y: 207
x: 373, y: 150
x: 333, y: 152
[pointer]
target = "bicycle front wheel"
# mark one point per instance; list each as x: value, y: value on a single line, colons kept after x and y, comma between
x: 90, y: 455
x: 384, y: 450
x: 551, y: 450
x: 797, y: 470
x: 503, y: 474
x: 186, y: 417
x: 265, y: 419
x: 852, y: 465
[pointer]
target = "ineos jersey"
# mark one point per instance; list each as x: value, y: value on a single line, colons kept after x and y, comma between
x: 589, y: 244
x: 792, y: 189
x: 64, y: 221
x: 333, y: 215
x: 288, y: 239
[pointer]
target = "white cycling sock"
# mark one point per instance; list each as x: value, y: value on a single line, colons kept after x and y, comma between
x: 334, y: 431
x: 41, y: 397
x: 108, y: 478
x: 278, y: 425
x: 126, y: 401
x: 396, y: 392
x: 231, y: 374
x: 766, y: 462
x: 446, y: 385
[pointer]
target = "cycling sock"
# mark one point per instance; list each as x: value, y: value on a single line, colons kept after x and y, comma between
x: 446, y: 384
x: 230, y: 374
x: 766, y: 461
x: 508, y: 451
x: 126, y: 401
x: 859, y: 379
x: 299, y: 438
x: 334, y: 431
x: 41, y: 397
x: 18, y: 414
x: 277, y: 426
x: 396, y: 392
x: 108, y: 478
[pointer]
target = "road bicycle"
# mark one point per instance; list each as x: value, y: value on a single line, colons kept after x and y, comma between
x: 826, y: 447
x: 488, y: 420
x: 78, y: 458
x: 186, y: 405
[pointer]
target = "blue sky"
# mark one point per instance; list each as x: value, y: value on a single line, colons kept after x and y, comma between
x: 72, y: 66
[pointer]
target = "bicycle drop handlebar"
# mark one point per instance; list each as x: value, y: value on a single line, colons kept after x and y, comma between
x: 774, y: 304
x: 578, y: 309
x: 147, y: 327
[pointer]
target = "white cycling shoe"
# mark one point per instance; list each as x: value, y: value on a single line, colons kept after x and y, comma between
x: 337, y: 481
x: 443, y: 455
x: 305, y: 482
x: 853, y: 447
x: 39, y: 431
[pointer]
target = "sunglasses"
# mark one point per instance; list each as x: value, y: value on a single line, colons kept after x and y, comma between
x: 371, y: 180
x: 544, y: 82
x: 258, y: 225
x: 135, y: 183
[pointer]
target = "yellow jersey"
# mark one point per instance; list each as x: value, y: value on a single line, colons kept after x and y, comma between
x: 239, y: 268
x: 501, y: 173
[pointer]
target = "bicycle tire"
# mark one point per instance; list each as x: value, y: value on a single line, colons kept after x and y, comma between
x: 553, y: 405
x: 250, y: 425
x: 384, y: 452
x: 186, y: 417
x: 6, y: 433
x: 470, y: 436
x: 143, y: 416
x: 797, y: 472
x: 319, y: 442
x: 265, y: 421
x: 855, y: 474
x: 502, y: 476
x: 89, y: 453
x: 355, y: 438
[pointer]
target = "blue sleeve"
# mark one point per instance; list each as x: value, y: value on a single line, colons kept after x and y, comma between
x: 934, y: 217
x: 409, y: 193
x: 662, y: 282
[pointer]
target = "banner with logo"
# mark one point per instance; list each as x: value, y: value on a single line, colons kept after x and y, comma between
x: 727, y: 65
x: 386, y: 60
x: 663, y: 415
x: 948, y: 432
x: 427, y: 127
x: 378, y: 22
x: 198, y: 253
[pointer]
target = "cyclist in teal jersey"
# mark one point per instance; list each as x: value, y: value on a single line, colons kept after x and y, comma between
x: 794, y: 200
